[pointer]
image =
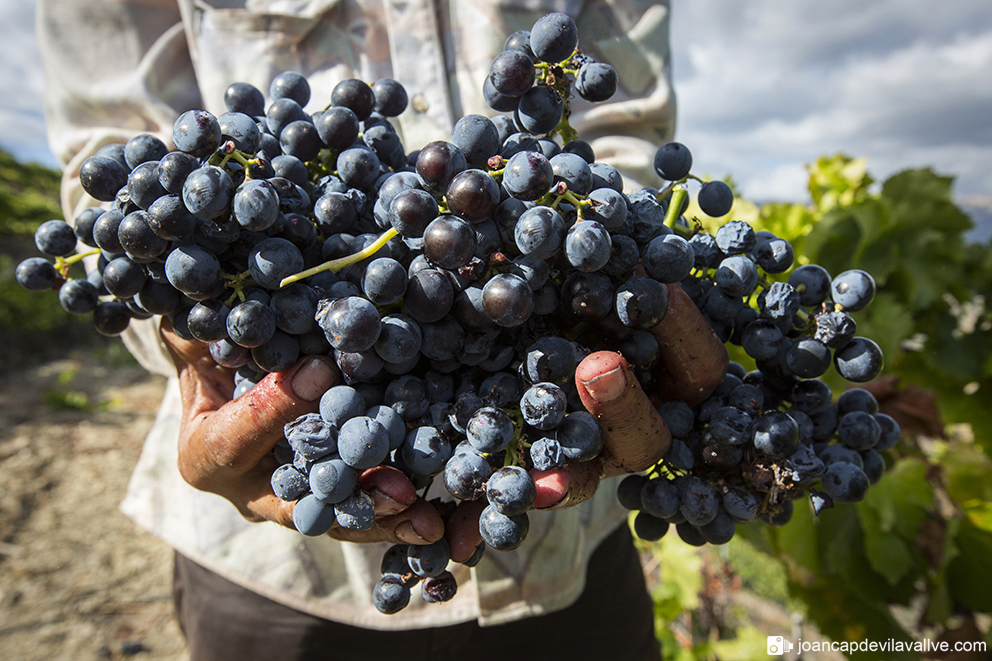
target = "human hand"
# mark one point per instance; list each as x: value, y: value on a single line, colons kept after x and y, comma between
x: 692, y: 363
x: 225, y: 448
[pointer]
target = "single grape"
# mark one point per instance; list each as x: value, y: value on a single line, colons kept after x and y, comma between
x: 489, y: 430
x: 465, y: 474
x: 351, y: 324
x: 312, y: 517
x: 246, y: 98
x: 540, y: 109
x: 775, y: 434
x: 580, y: 436
x: 477, y: 137
x: 36, y: 274
x: 528, y: 175
x: 390, y: 595
x: 512, y: 73
x: 588, y: 246
x: 860, y: 360
x: 473, y: 194
x: 78, y: 297
x: 362, y: 442
x: 449, y: 242
x: 543, y: 406
x: 355, y: 95
x: 290, y: 84
x: 668, y: 258
x: 501, y: 532
x: 288, y: 483
x: 511, y: 490
x: 641, y: 303
x: 715, y: 199
x: 424, y: 451
x: 845, y: 482
x: 554, y: 37
x: 356, y: 512
x: 650, y: 528
x: 196, y: 132
x: 596, y: 81
x: 853, y: 290
x: 507, y: 300
x: 251, y: 324
x: 672, y: 161
x: 812, y: 281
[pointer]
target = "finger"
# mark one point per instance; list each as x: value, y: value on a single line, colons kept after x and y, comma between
x: 391, y: 490
x: 634, y: 433
x: 693, y: 359
x: 552, y: 487
x: 462, y: 529
x: 568, y: 486
x: 418, y: 524
x: 240, y: 433
x: 253, y: 496
x: 182, y: 351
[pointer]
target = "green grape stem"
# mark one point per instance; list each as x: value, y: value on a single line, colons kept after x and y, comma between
x: 66, y: 262
x: 236, y: 277
x: 564, y: 128
x: 511, y: 455
x: 239, y: 283
x: 672, y: 215
x: 572, y: 198
x: 336, y: 265
x: 667, y: 190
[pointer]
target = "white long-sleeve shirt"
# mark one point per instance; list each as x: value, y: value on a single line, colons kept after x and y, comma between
x: 117, y: 68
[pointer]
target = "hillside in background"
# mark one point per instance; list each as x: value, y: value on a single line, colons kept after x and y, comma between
x: 34, y: 325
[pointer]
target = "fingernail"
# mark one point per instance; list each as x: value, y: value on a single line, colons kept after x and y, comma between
x: 405, y: 533
x: 608, y: 386
x: 386, y: 504
x: 313, y: 380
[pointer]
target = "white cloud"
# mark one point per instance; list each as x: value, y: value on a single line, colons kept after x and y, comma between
x: 763, y: 86
x: 767, y: 86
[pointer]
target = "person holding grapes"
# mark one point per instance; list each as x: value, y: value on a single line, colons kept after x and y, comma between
x: 247, y: 584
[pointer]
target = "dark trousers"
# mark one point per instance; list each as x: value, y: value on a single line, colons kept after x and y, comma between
x: 612, y: 620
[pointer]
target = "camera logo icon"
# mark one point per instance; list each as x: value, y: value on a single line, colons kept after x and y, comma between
x: 778, y: 645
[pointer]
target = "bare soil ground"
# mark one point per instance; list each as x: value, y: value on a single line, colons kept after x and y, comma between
x: 78, y: 580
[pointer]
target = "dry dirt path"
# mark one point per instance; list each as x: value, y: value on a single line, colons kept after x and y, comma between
x: 78, y: 580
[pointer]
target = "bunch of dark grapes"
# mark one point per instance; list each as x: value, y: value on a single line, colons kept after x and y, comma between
x: 451, y: 286
x: 763, y: 439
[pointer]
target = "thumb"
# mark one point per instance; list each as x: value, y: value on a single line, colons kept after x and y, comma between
x: 238, y: 435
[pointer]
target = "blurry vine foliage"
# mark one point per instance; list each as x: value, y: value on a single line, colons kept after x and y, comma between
x: 915, y: 558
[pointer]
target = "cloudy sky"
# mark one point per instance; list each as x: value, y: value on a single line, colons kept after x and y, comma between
x: 764, y: 87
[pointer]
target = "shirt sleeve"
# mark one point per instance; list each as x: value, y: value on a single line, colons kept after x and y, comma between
x: 113, y: 69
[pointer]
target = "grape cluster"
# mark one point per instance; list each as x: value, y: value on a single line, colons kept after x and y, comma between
x: 735, y: 458
x: 764, y: 438
x: 451, y: 285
